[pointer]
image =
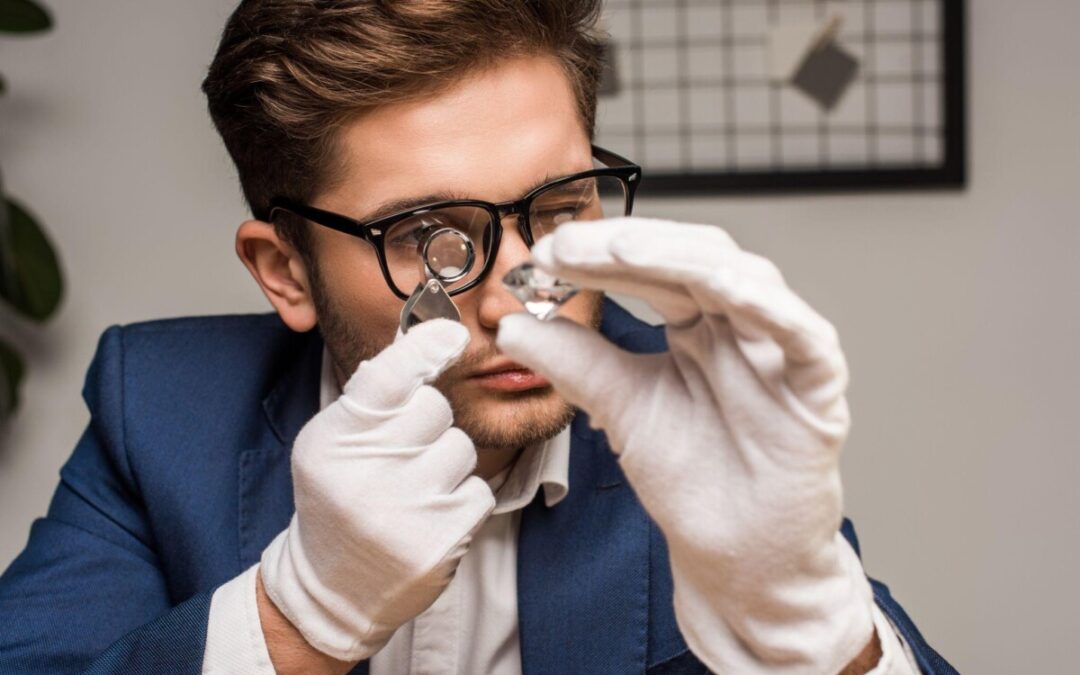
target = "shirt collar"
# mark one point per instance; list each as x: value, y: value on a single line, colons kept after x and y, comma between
x: 545, y: 463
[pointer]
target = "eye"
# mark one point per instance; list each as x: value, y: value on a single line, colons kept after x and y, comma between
x: 409, y: 232
x: 557, y: 214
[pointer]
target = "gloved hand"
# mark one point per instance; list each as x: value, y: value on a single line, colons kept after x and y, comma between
x: 385, y: 504
x: 730, y: 439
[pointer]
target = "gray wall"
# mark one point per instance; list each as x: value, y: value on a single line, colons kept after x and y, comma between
x: 957, y: 311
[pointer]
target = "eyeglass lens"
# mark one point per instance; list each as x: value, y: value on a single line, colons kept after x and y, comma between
x: 581, y: 200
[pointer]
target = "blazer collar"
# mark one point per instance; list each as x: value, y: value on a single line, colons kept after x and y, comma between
x: 294, y: 398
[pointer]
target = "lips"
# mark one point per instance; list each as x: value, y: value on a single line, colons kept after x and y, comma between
x: 509, y: 376
x: 500, y: 367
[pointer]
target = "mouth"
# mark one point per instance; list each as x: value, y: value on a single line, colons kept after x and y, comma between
x: 509, y: 376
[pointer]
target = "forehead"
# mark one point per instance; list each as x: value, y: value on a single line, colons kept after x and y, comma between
x: 490, y: 136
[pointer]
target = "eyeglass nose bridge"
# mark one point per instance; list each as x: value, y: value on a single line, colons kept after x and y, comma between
x: 519, y: 209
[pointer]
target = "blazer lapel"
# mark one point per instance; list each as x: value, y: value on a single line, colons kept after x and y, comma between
x: 265, y: 478
x: 265, y: 497
x: 583, y: 570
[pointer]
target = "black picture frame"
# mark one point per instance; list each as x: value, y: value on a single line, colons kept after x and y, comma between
x: 951, y: 174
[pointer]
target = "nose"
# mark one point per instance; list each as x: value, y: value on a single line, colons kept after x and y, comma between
x: 493, y: 300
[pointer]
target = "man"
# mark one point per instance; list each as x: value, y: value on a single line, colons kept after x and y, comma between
x: 313, y: 492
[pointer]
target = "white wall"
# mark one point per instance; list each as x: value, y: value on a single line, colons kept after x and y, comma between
x: 957, y: 310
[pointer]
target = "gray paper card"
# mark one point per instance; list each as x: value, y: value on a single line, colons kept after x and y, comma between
x: 826, y: 74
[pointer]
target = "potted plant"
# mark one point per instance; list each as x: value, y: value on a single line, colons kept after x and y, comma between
x: 31, y: 283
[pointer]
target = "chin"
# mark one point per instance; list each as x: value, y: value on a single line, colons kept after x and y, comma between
x: 511, y: 419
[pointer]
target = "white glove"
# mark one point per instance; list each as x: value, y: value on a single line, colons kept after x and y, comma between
x: 385, y: 504
x: 730, y: 439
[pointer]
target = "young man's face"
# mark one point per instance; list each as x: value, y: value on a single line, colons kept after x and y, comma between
x: 491, y: 137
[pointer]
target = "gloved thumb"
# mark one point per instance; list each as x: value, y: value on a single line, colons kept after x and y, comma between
x: 580, y: 363
x: 390, y: 378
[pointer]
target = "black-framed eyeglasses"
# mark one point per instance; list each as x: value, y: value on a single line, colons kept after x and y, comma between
x: 605, y: 191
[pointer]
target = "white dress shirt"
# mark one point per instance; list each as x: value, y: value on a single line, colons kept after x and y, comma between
x: 472, y: 627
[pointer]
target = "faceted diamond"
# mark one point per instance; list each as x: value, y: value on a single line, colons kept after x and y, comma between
x: 541, y: 293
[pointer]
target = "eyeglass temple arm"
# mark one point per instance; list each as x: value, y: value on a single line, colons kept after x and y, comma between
x: 613, y: 160
x: 610, y: 158
x: 326, y: 218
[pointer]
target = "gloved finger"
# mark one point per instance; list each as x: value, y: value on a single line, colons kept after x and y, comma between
x: 778, y: 313
x: 581, y: 363
x: 457, y: 517
x: 749, y: 294
x: 417, y: 422
x: 686, y: 254
x: 713, y: 274
x: 662, y: 254
x: 586, y: 254
x: 477, y: 501
x: 447, y: 461
x: 685, y: 270
x: 768, y: 319
x: 389, y: 379
x: 750, y: 291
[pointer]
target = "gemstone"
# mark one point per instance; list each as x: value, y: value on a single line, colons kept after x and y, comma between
x: 541, y: 293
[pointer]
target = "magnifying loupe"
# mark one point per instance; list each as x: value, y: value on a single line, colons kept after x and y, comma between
x: 446, y: 256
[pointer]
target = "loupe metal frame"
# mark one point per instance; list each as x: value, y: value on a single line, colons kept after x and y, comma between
x: 470, y: 249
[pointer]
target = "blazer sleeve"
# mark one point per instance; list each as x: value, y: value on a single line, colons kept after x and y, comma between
x: 928, y: 660
x: 87, y: 594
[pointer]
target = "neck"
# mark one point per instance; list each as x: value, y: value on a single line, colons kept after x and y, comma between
x: 490, y: 461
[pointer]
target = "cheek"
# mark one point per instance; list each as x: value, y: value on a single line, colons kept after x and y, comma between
x: 359, y: 294
x: 375, y: 320
x: 584, y: 308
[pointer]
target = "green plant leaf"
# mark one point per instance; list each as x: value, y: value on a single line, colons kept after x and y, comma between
x: 11, y: 375
x: 30, y: 277
x: 23, y: 16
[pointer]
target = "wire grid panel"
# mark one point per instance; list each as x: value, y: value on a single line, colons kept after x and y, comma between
x: 689, y: 91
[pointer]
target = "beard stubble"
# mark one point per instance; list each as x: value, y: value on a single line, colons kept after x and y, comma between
x: 524, y: 418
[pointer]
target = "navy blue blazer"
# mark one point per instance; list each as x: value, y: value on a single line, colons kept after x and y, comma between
x: 182, y: 478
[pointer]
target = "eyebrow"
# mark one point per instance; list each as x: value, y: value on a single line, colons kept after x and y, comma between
x: 408, y: 203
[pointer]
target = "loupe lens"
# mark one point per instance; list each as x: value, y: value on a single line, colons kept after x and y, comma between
x: 448, y: 255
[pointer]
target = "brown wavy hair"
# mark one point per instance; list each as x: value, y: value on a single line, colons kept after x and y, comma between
x: 289, y: 73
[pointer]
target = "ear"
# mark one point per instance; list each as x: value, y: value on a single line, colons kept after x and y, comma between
x: 280, y: 271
